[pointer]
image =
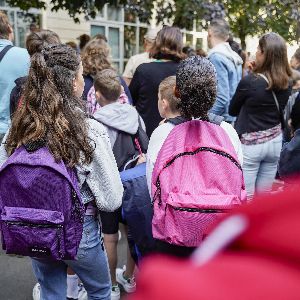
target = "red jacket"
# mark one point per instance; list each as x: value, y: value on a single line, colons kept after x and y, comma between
x: 262, y: 263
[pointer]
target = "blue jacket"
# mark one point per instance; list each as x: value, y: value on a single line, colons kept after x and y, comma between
x: 289, y: 162
x: 14, y: 64
x: 228, y: 65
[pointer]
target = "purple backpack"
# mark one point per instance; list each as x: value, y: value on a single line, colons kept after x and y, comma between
x: 41, y: 212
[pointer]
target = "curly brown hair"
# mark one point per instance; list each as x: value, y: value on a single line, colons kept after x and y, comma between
x: 96, y: 57
x: 50, y: 110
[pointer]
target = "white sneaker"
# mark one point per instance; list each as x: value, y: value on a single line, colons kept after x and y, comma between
x: 115, y: 293
x: 129, y: 284
x: 36, y: 292
x: 82, y: 294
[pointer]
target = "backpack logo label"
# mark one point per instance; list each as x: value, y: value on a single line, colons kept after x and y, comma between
x: 39, y: 251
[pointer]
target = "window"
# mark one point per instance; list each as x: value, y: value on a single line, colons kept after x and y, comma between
x: 199, y: 43
x: 129, y: 41
x: 114, y: 42
x: 143, y: 31
x: 114, y: 13
x: 20, y: 21
x: 97, y: 30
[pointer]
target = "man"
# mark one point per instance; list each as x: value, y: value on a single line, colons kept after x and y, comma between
x: 138, y: 59
x: 14, y: 64
x: 228, y: 65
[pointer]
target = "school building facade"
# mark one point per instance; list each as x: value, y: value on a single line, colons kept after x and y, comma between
x: 124, y: 32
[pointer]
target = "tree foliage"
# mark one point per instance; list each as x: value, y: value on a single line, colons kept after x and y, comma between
x: 251, y: 17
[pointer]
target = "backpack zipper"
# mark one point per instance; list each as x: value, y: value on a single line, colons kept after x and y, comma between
x: 201, y: 210
x: 76, y: 207
x: 157, y: 193
x: 18, y: 223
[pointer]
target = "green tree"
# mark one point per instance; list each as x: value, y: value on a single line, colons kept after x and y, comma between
x: 251, y: 17
x: 255, y: 17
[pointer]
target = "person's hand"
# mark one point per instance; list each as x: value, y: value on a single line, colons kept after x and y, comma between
x: 251, y: 65
x: 141, y: 159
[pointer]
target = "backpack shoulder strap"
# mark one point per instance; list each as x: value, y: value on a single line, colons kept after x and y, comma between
x: 281, y: 116
x: 177, y: 120
x: 4, y: 51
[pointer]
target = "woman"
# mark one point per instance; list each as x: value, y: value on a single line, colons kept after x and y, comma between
x: 95, y: 58
x: 52, y: 110
x: 259, y: 117
x: 167, y: 50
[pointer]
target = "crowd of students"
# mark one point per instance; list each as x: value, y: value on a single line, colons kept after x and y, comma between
x: 189, y: 140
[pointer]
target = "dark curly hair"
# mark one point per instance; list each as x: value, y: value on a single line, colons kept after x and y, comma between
x: 50, y: 110
x: 196, y: 86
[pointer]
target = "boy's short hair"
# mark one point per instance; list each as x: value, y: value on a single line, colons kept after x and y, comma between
x: 107, y: 82
x: 166, y: 90
x: 220, y: 28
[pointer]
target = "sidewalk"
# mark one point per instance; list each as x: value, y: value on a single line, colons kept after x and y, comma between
x: 17, y: 279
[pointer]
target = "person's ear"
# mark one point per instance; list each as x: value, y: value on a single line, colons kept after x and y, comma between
x: 164, y: 104
x: 176, y: 92
x: 98, y: 95
x: 75, y: 87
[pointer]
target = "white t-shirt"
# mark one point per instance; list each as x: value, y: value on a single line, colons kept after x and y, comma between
x: 134, y: 61
x: 160, y: 134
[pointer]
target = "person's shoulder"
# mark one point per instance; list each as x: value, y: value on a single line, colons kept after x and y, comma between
x: 21, y: 52
x: 248, y: 80
x: 96, y: 128
x: 229, y: 129
x: 144, y: 67
x: 161, y: 131
x: 141, y: 56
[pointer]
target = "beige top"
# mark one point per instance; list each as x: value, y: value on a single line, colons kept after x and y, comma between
x: 134, y: 61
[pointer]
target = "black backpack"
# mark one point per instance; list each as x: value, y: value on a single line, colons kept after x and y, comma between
x: 128, y: 147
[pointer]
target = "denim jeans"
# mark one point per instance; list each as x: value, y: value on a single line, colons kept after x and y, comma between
x: 90, y: 265
x: 260, y: 165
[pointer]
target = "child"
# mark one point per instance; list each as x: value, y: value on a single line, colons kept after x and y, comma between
x: 168, y: 109
x: 123, y: 126
x: 52, y: 112
x: 196, y: 87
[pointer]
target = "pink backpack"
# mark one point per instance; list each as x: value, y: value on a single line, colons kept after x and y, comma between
x: 196, y: 179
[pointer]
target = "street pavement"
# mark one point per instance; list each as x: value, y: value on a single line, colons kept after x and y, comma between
x: 17, y: 279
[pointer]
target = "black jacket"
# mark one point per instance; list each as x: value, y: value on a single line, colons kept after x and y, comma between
x: 255, y: 106
x: 289, y: 163
x: 144, y: 90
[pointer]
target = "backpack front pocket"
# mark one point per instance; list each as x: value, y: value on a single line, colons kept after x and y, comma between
x: 33, y: 232
x: 189, y: 218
